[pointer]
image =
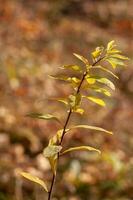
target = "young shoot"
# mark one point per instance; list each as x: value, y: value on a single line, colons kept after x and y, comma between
x: 88, y: 84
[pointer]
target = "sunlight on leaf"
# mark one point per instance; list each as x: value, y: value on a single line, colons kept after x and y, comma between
x: 79, y: 110
x: 73, y: 67
x: 111, y: 45
x: 34, y: 179
x: 98, y: 51
x: 92, y: 128
x: 88, y: 148
x: 96, y: 100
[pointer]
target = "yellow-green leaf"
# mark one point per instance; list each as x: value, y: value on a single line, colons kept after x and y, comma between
x: 57, y: 137
x: 93, y: 79
x: 106, y: 82
x: 103, y: 91
x: 90, y: 80
x: 62, y: 100
x: 79, y: 110
x: 75, y: 82
x: 96, y: 100
x: 53, y: 163
x: 112, y: 51
x: 119, y: 56
x: 111, y: 45
x: 98, y: 51
x: 74, y: 101
x: 88, y: 148
x: 104, y: 69
x: 95, y: 128
x: 35, y: 180
x: 82, y: 58
x: 43, y: 116
x: 61, y: 77
x: 73, y: 67
x: 51, y: 150
x: 114, y: 62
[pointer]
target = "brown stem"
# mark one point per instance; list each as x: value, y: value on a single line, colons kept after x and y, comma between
x: 65, y: 126
x: 51, y: 187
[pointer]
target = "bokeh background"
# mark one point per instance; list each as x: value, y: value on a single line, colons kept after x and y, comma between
x: 37, y: 37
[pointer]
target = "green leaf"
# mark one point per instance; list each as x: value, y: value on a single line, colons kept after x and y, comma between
x: 88, y: 148
x: 96, y: 100
x: 43, y: 116
x: 73, y: 67
x: 104, y: 69
x: 51, y: 150
x: 35, y: 180
x: 92, y: 128
x: 82, y: 58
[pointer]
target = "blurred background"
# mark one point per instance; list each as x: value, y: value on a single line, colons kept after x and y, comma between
x: 37, y: 37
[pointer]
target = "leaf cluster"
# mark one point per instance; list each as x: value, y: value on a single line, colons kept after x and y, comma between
x: 86, y: 81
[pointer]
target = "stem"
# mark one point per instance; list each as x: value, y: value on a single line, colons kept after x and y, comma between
x: 65, y: 126
x: 51, y: 187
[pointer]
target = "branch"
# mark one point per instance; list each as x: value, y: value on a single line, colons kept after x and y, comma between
x: 66, y: 123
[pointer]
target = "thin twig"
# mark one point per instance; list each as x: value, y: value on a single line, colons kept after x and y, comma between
x: 65, y: 126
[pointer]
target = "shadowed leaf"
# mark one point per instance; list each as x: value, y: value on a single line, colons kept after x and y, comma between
x: 82, y: 58
x: 61, y: 77
x: 43, y: 116
x: 62, y: 100
x: 114, y: 62
x: 106, y: 82
x: 51, y: 150
x: 104, y: 69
